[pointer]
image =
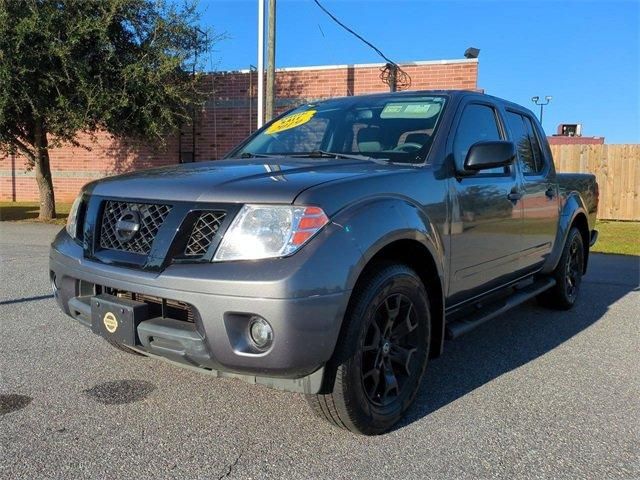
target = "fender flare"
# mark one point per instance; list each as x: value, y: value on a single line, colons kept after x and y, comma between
x: 376, y: 223
x: 573, y: 206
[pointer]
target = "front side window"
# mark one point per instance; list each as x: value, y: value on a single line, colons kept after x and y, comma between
x: 394, y: 128
x: 477, y: 124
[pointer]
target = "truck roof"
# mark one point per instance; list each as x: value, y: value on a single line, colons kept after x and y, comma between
x: 453, y: 94
x: 450, y: 93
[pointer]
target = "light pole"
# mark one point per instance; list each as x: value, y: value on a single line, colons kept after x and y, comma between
x: 537, y: 101
x: 260, y: 63
x: 269, y: 103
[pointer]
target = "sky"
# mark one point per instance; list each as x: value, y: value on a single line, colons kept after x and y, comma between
x: 585, y: 54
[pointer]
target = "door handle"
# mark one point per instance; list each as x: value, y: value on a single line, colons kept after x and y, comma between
x: 514, y: 195
x: 550, y: 192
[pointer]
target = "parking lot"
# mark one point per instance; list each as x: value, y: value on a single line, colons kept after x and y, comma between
x: 532, y: 394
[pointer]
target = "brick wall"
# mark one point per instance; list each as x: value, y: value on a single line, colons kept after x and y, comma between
x: 227, y: 118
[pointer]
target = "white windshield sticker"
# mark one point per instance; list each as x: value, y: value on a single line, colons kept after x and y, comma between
x: 410, y: 110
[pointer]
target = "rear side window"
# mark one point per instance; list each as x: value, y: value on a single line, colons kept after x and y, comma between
x: 477, y: 124
x: 535, y: 145
x: 522, y: 134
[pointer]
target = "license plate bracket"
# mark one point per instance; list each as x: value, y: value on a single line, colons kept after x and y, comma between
x: 117, y: 318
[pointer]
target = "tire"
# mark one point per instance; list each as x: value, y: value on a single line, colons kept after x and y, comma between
x: 568, y: 274
x: 382, y: 355
x: 123, y: 348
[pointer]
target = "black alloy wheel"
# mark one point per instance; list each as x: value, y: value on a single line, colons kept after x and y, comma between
x: 382, y: 352
x: 388, y: 350
x: 574, y: 267
x: 568, y: 274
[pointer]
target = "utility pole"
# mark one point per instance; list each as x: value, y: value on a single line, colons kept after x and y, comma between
x: 393, y: 76
x: 271, y: 60
x: 260, y: 113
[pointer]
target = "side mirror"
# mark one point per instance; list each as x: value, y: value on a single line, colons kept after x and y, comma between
x: 485, y: 155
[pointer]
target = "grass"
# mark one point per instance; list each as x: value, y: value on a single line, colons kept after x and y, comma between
x: 28, y: 212
x: 622, y: 238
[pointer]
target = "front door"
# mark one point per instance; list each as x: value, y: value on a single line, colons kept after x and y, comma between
x: 486, y: 217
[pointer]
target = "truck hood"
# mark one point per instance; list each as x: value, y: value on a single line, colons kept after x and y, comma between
x: 268, y: 180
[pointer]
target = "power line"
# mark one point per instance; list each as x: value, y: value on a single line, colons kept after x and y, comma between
x: 335, y: 19
x: 391, y: 73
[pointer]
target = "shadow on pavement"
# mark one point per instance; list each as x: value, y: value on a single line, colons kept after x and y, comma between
x: 120, y: 392
x: 520, y: 336
x: 25, y: 299
x: 12, y: 403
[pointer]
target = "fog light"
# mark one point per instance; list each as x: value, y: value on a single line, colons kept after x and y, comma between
x: 261, y: 333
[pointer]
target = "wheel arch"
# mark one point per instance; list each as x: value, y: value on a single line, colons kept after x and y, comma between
x: 417, y: 256
x: 391, y: 229
x: 574, y: 214
x: 395, y: 229
x: 581, y: 223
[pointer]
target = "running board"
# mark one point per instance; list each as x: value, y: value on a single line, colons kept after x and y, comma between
x: 466, y: 324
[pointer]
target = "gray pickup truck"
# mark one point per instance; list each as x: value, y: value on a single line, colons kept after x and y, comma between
x: 333, y: 251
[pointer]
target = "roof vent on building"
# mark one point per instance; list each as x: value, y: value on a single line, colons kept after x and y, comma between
x: 570, y: 130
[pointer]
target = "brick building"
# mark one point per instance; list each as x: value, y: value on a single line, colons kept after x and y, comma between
x: 227, y: 117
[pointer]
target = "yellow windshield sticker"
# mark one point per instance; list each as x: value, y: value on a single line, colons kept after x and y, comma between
x: 290, y: 121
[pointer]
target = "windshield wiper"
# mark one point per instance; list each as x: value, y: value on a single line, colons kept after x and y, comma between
x: 254, y: 155
x: 325, y: 154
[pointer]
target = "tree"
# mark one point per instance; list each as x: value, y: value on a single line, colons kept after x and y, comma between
x: 71, y: 66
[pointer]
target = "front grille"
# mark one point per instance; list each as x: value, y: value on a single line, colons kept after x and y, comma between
x: 151, y: 216
x: 203, y: 232
x: 158, y: 307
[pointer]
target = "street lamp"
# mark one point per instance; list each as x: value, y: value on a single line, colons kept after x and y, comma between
x: 472, y: 52
x: 537, y: 101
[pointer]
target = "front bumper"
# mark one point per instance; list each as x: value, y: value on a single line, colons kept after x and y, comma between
x: 305, y: 327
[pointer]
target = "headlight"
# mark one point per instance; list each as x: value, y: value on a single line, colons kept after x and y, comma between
x: 72, y: 219
x: 267, y: 231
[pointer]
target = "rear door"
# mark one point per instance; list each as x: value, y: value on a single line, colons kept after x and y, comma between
x: 540, y: 203
x: 486, y: 214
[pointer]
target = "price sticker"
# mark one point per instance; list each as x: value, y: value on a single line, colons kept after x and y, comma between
x: 290, y: 121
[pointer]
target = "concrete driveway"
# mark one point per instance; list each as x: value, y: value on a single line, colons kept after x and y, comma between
x: 532, y: 394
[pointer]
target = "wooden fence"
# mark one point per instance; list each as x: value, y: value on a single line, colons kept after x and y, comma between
x: 617, y: 168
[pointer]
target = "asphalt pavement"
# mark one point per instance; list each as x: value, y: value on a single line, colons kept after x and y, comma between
x: 532, y: 394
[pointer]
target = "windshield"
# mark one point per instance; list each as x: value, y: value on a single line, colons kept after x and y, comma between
x: 394, y: 128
